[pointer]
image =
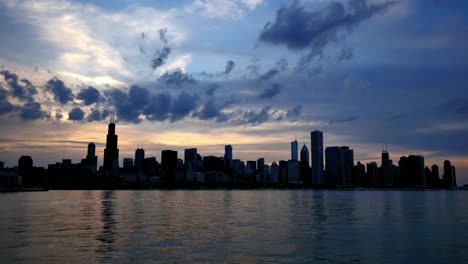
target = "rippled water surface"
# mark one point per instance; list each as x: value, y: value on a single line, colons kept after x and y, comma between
x: 234, y: 226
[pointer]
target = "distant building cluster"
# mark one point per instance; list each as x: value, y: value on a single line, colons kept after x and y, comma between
x: 332, y: 167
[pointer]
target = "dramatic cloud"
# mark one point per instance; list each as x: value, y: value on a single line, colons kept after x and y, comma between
x: 257, y: 117
x: 24, y: 92
x: 211, y: 111
x: 182, y: 105
x: 301, y: 29
x: 61, y: 93
x: 89, y: 95
x: 5, y: 106
x: 76, y: 114
x: 279, y: 67
x: 159, y: 107
x: 230, y: 65
x: 210, y: 91
x: 271, y: 92
x: 139, y: 103
x: 177, y: 77
x: 97, y: 115
x: 161, y: 56
x: 32, y: 111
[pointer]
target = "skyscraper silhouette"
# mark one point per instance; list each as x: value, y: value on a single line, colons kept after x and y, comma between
x: 139, y: 158
x: 385, y: 156
x: 190, y: 157
x: 91, y: 158
x: 294, y: 150
x: 316, y: 138
x: 111, y: 152
x: 305, y: 154
x: 227, y: 156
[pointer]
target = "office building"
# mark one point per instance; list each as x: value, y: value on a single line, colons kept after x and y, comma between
x: 294, y: 150
x: 111, y: 152
x: 316, y: 138
x: 139, y: 158
x: 190, y: 158
x: 169, y: 165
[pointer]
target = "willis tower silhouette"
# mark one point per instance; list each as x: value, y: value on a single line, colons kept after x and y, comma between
x: 111, y: 152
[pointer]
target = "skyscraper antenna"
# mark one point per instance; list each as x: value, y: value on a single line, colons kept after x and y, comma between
x: 112, y: 117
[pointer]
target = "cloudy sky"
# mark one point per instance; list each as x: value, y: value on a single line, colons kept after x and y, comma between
x: 256, y: 74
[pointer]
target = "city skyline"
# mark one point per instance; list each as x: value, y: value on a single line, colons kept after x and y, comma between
x: 209, y: 73
x: 200, y: 170
x: 316, y: 137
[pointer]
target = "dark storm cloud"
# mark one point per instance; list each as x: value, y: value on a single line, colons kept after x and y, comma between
x: 211, y: 111
x: 271, y: 92
x: 279, y: 67
x: 300, y: 29
x: 24, y: 93
x: 76, y: 114
x: 61, y: 93
x: 139, y: 103
x: 177, y: 77
x: 32, y: 111
x: 230, y: 65
x: 210, y: 91
x: 5, y: 106
x: 89, y: 95
x: 161, y: 56
x: 159, y: 107
x: 127, y: 109
x: 97, y: 115
x: 183, y: 105
x: 255, y: 117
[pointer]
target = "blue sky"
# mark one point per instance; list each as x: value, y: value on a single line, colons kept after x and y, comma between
x: 252, y: 73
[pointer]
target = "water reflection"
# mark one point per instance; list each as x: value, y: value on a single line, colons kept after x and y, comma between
x: 107, y: 235
x: 234, y: 227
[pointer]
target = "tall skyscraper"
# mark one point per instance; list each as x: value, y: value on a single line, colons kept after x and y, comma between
x: 294, y: 150
x: 227, y: 156
x: 449, y: 176
x: 274, y: 172
x: 190, y: 157
x: 169, y: 165
x: 305, y: 172
x: 139, y: 158
x: 261, y: 170
x: 305, y: 154
x: 111, y: 152
x: 412, y: 171
x: 339, y: 165
x: 316, y: 138
x: 348, y: 164
x: 91, y: 158
x: 385, y: 156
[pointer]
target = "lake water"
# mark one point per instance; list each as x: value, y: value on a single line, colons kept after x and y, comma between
x: 268, y: 226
